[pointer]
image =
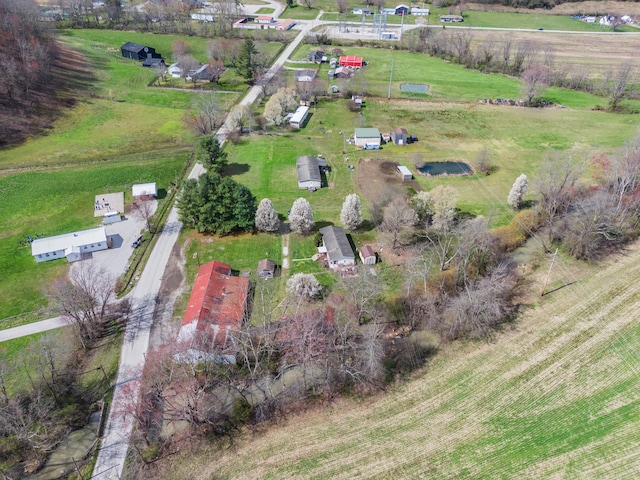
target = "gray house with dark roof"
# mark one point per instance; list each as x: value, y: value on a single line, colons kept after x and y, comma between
x: 337, y: 247
x: 138, y: 52
x: 308, y: 172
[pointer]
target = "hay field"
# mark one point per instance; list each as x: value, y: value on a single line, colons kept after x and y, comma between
x: 555, y: 397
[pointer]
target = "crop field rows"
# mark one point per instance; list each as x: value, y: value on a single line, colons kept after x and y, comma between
x: 555, y: 397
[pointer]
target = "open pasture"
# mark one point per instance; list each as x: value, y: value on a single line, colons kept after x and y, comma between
x: 58, y: 201
x: 556, y: 396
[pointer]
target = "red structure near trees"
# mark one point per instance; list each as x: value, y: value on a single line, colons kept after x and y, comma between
x: 351, y: 61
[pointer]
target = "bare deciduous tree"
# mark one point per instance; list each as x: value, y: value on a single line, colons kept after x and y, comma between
x: 398, y: 216
x: 362, y: 291
x: 558, y: 175
x: 535, y: 79
x: 145, y: 209
x: 83, y: 299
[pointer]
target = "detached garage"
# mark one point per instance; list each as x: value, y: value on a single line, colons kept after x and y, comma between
x: 367, y: 138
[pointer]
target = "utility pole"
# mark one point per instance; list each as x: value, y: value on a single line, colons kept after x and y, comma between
x: 553, y: 259
x: 390, y: 80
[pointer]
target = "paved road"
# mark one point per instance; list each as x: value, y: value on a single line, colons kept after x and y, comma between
x: 115, y: 442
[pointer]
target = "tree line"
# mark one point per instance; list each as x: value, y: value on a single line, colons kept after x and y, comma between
x: 536, y: 65
x: 27, y: 54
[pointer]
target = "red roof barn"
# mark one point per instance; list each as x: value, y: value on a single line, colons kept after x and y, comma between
x: 216, y: 308
x: 351, y: 61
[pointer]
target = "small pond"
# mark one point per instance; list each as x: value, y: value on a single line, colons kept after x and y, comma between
x: 445, y: 168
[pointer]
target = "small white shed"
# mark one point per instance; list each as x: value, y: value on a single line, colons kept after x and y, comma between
x: 144, y: 191
x: 405, y: 173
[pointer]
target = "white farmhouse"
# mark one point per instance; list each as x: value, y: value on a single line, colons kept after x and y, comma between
x: 70, y: 245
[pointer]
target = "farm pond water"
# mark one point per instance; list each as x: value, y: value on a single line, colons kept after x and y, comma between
x: 445, y: 168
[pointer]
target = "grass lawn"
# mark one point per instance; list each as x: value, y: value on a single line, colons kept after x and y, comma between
x: 59, y: 201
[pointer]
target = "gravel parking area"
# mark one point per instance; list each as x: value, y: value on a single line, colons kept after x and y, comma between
x: 114, y: 260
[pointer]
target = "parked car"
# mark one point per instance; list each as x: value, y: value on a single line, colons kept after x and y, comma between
x: 137, y: 242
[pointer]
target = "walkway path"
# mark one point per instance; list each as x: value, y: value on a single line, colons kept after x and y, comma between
x: 285, y: 251
x: 31, y: 328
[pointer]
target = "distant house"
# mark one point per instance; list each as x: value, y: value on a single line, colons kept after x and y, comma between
x: 203, y: 17
x: 361, y: 11
x: 367, y: 136
x: 337, y: 247
x: 206, y: 73
x: 368, y: 255
x: 266, y: 19
x: 316, y: 56
x: 306, y: 75
x: 399, y: 136
x: 216, y: 309
x: 151, y: 62
x: 419, y: 11
x: 451, y: 18
x: 70, y: 245
x: 266, y: 268
x: 308, y: 169
x: 401, y: 10
x: 351, y: 61
x: 298, y: 118
x: 175, y: 70
x: 589, y: 19
x: 284, y: 24
x: 144, y: 191
x: 404, y: 172
x: 138, y: 52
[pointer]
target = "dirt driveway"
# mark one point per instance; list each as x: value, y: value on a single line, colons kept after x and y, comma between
x: 379, y: 181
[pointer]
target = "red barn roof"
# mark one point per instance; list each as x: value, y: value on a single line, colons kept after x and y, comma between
x: 350, y: 61
x: 216, y: 306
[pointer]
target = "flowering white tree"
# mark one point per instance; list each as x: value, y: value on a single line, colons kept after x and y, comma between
x: 518, y: 191
x: 351, y: 214
x: 444, y: 207
x: 304, y: 286
x: 280, y: 103
x: 301, y: 216
x: 266, y: 216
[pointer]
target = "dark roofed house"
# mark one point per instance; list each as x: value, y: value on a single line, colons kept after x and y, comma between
x: 308, y: 170
x: 138, y: 52
x: 337, y: 247
x: 266, y: 268
x: 316, y: 56
x: 399, y: 136
x: 216, y: 309
x: 152, y: 62
x: 368, y: 255
x: 207, y: 73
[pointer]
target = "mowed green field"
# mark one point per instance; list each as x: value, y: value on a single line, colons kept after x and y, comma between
x: 556, y: 396
x: 124, y: 133
x: 59, y: 201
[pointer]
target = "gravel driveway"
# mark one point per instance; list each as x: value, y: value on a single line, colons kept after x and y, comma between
x: 114, y: 260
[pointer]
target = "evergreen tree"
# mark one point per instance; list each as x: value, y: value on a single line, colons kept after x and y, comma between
x: 246, y: 63
x: 216, y: 204
x: 210, y: 154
